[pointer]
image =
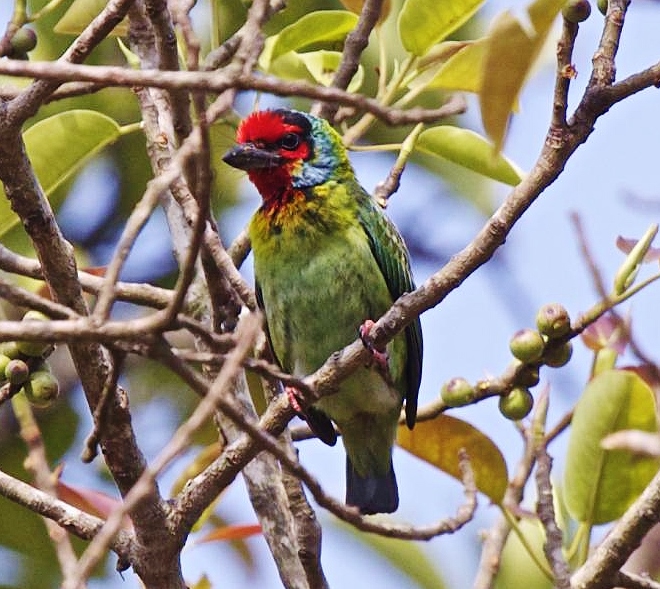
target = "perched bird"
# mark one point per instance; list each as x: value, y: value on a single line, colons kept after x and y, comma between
x: 327, y: 260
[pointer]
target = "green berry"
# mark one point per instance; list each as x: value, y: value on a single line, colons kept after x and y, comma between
x: 457, y: 392
x: 42, y: 388
x: 34, y: 315
x: 528, y: 376
x: 9, y: 349
x: 4, y: 360
x: 602, y: 6
x: 553, y: 321
x: 576, y: 11
x: 17, y: 372
x: 558, y: 356
x: 33, y: 348
x: 24, y: 40
x: 516, y: 404
x: 527, y: 345
x: 18, y: 55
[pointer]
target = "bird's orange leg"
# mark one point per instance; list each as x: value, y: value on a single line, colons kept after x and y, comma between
x: 380, y: 357
x: 294, y: 400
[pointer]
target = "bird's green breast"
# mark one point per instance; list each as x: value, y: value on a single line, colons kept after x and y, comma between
x: 319, y: 281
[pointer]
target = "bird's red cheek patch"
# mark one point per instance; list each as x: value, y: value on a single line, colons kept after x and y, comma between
x: 300, y: 153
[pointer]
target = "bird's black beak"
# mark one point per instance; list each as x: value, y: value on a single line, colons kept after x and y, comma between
x: 248, y: 157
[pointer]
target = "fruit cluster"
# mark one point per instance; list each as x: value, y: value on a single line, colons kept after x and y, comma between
x: 547, y: 345
x: 23, y: 364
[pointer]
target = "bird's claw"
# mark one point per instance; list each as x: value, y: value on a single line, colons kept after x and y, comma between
x: 294, y: 400
x: 379, y: 357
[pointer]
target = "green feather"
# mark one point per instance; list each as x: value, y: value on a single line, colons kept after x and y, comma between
x: 326, y: 259
x: 392, y: 258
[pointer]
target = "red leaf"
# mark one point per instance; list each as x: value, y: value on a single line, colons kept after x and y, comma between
x: 607, y: 332
x: 96, y: 270
x: 238, y: 532
x: 93, y: 502
x: 625, y: 245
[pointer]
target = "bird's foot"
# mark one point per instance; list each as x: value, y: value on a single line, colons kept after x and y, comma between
x: 294, y: 400
x: 379, y: 357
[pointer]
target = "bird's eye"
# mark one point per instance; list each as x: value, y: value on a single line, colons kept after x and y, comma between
x: 290, y: 141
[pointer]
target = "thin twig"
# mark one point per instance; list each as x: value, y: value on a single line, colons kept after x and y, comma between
x: 565, y: 73
x: 90, y: 449
x: 25, y: 105
x: 136, y: 221
x: 138, y: 293
x: 634, y: 581
x: 497, y: 535
x: 70, y: 518
x: 221, y: 81
x: 546, y: 512
x: 355, y: 44
x: 259, y: 436
x: 240, y: 248
x: 36, y: 462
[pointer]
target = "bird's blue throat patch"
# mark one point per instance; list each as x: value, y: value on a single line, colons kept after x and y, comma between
x: 327, y: 161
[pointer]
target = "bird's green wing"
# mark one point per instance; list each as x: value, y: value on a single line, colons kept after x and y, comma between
x: 392, y: 258
x: 318, y: 421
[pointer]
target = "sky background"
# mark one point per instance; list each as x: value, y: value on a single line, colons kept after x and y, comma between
x: 467, y: 335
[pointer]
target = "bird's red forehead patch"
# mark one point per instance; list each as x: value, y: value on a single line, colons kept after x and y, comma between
x: 266, y: 126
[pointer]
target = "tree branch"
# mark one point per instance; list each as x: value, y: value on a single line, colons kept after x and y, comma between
x: 143, y: 488
x: 223, y: 80
x: 37, y: 463
x: 74, y: 520
x: 546, y: 512
x: 355, y: 44
x: 633, y: 581
x: 138, y: 293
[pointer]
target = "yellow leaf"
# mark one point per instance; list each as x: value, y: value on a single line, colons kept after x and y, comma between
x: 512, y: 48
x: 81, y: 13
x: 461, y: 71
x: 203, y: 583
x: 422, y: 23
x: 439, y: 440
x: 205, y: 457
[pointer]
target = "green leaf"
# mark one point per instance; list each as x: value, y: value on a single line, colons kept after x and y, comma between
x: 422, y: 23
x: 405, y: 556
x: 439, y: 440
x: 461, y: 71
x: 315, y: 66
x: 58, y: 147
x: 511, y: 51
x: 599, y: 485
x: 322, y: 65
x: 468, y: 149
x: 517, y: 569
x: 81, y: 13
x: 315, y: 27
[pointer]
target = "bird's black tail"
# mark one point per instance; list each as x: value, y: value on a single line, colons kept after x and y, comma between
x: 373, y: 493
